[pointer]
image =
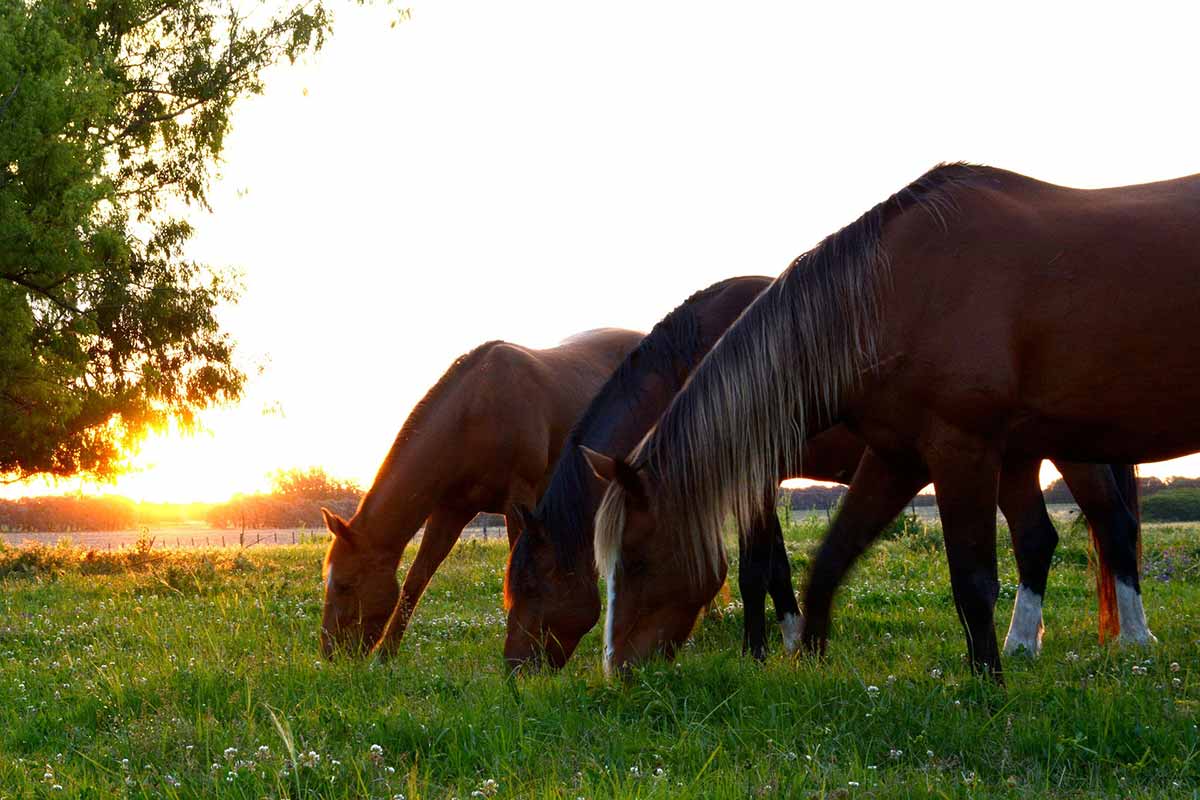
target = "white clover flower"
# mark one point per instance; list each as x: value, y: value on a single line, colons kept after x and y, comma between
x: 264, y: 752
x: 1174, y: 666
x: 854, y: 784
x: 935, y: 673
x: 230, y: 753
x: 1176, y: 682
x: 894, y: 753
x: 872, y: 690
x: 172, y: 781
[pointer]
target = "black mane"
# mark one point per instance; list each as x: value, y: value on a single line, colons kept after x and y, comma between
x: 674, y: 345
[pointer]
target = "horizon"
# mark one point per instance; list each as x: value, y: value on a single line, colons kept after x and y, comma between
x: 481, y: 172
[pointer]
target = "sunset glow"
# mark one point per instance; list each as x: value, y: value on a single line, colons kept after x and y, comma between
x: 486, y: 171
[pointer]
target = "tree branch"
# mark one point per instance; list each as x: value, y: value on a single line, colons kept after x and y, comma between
x: 41, y: 291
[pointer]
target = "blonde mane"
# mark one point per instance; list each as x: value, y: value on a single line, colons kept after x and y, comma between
x: 779, y: 374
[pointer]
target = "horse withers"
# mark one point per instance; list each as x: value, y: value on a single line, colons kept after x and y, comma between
x: 481, y: 440
x: 962, y: 325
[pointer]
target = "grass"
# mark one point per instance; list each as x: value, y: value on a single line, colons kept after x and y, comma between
x: 196, y: 675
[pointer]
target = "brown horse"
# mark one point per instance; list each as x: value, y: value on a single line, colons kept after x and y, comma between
x: 550, y: 583
x: 963, y: 325
x: 483, y: 438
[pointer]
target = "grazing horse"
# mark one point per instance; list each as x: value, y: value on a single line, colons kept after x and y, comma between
x: 962, y: 326
x: 550, y: 584
x: 483, y: 438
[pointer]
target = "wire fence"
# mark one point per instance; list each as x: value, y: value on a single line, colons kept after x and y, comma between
x: 187, y: 537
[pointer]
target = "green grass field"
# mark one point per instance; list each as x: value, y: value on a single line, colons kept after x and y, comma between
x: 197, y: 675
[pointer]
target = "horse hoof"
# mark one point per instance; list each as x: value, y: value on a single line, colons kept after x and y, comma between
x: 792, y: 628
x: 1143, y: 638
x: 1022, y: 647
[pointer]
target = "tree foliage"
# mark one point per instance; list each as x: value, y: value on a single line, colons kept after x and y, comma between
x: 113, y: 114
x: 1173, y: 505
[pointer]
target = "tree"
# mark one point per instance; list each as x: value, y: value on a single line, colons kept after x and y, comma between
x: 112, y: 116
x: 313, y: 484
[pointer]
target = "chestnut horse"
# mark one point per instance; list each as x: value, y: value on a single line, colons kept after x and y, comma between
x: 550, y: 584
x: 484, y: 437
x: 963, y: 325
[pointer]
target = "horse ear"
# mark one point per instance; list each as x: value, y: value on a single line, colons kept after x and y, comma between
x: 609, y: 469
x: 529, y: 522
x: 633, y: 481
x: 603, y: 467
x: 336, y: 525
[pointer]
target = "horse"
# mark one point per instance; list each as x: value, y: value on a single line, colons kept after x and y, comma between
x: 550, y: 582
x: 963, y: 326
x: 483, y: 438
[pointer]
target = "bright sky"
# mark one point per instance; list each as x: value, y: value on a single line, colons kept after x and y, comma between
x: 525, y: 171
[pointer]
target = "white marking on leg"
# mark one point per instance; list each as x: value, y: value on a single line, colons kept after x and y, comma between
x: 1026, y: 628
x: 611, y: 587
x: 1132, y: 616
x: 792, y: 627
x: 328, y: 579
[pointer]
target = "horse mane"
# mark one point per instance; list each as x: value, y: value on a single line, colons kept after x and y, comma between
x: 746, y: 410
x: 674, y: 344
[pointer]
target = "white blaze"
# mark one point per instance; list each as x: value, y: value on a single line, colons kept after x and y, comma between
x: 611, y: 586
x: 1026, y: 628
x: 1132, y: 615
x: 791, y: 626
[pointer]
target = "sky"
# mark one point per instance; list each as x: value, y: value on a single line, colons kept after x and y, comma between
x: 525, y: 171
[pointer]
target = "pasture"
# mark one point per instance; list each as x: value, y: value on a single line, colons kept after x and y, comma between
x: 196, y: 674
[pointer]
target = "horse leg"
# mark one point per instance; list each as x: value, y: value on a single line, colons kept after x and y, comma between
x: 1034, y: 539
x: 753, y: 565
x: 1115, y: 531
x: 877, y: 494
x: 763, y: 568
x: 966, y: 475
x: 779, y: 585
x: 441, y: 532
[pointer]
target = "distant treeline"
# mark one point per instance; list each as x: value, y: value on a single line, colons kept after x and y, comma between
x: 295, y: 501
x: 297, y: 497
x: 826, y: 497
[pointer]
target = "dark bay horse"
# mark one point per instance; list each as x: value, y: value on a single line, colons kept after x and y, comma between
x: 550, y: 583
x: 965, y: 325
x: 483, y: 438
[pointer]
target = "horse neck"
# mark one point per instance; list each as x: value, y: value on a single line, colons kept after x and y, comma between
x: 626, y: 415
x: 408, y: 487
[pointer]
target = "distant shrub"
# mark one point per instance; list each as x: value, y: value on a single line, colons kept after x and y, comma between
x: 902, y: 526
x: 1172, y: 505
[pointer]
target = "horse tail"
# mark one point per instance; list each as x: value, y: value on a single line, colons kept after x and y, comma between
x: 1125, y: 476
